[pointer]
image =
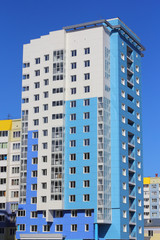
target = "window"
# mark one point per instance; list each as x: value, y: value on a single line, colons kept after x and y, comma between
x: 86, y: 115
x: 45, y: 107
x: 124, y: 172
x: 37, y: 84
x: 86, y: 183
x: 59, y: 228
x: 58, y: 214
x: 139, y: 203
x: 36, y: 97
x: 34, y: 187
x: 124, y: 159
x: 37, y: 73
x: 87, y: 51
x: 14, y: 182
x: 46, y: 69
x: 44, y: 172
x: 124, y: 199
x: 124, y: 214
x: 124, y: 228
x: 72, y: 184
x: 87, y: 89
x: 139, y: 152
x: 33, y: 228
x: 46, y: 94
x: 86, y: 76
x: 137, y: 92
x: 86, y: 142
x: 88, y: 213
x: 35, y: 147
x: 122, y: 56
x: 4, y: 169
x: 44, y: 199
x: 3, y: 133
x: 46, y: 82
x: 45, y: 119
x: 139, y: 216
x: 73, y: 65
x: 45, y: 145
x: 139, y: 177
x: 123, y: 106
x: 57, y: 90
x: 123, y: 69
x: 72, y: 156
x: 86, y: 128
x: 2, y: 218
x: 123, y: 132
x: 21, y: 227
x: 72, y: 170
x: 36, y: 122
x: 73, y: 78
x: 25, y: 76
x: 137, y: 68
x: 57, y: 103
x: 140, y: 230
x: 86, y: 169
x: 73, y: 117
x: 15, y: 158
x: 87, y: 63
x: 44, y: 185
x: 35, y: 160
x: 86, y: 227
x: 74, y: 53
x: 123, y: 94
x: 138, y: 128
x: 35, y: 135
x: 139, y: 165
x: 138, y: 103
x: 45, y: 133
x: 57, y: 116
x: 73, y: 91
x: 86, y: 102
x: 122, y: 81
x: 73, y: 143
x: 86, y: 156
x: 73, y: 213
x: 72, y: 198
x: 138, y: 115
x: 34, y: 214
x: 46, y: 57
x: 34, y: 173
x: 46, y: 228
x: 150, y: 233
x: 123, y: 145
x: 44, y: 158
x: 16, y: 134
x: 14, y: 170
x: 86, y: 197
x: 37, y: 60
x: 33, y: 200
x: 124, y: 186
x: 139, y: 190
x: 25, y: 65
x: 72, y: 104
x: 123, y: 119
x: 137, y: 80
x: 73, y: 227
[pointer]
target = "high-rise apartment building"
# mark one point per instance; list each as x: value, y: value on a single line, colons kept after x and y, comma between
x: 9, y: 176
x: 81, y: 158
x: 151, y: 197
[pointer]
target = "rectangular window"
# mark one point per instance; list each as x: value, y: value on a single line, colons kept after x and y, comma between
x: 73, y: 143
x: 86, y: 76
x: 46, y: 228
x: 87, y: 63
x: 35, y: 135
x: 37, y: 85
x: 34, y: 173
x: 86, y: 183
x: 73, y: 213
x: 73, y: 91
x: 72, y: 104
x: 72, y: 170
x: 73, y: 65
x: 46, y: 69
x: 86, y: 169
x: 34, y: 187
x: 86, y: 197
x: 46, y: 57
x: 72, y: 130
x: 72, y: 156
x: 34, y: 214
x: 72, y: 198
x: 45, y: 119
x: 33, y: 228
x: 36, y: 97
x: 46, y: 94
x: 58, y: 214
x: 86, y: 142
x: 35, y: 160
x: 86, y: 156
x: 72, y: 184
x: 35, y: 147
x: 59, y: 228
x: 87, y: 51
x: 86, y: 102
x: 74, y: 53
x: 46, y: 82
x: 86, y: 128
x: 37, y: 60
x: 88, y: 213
x: 86, y: 115
x: 33, y: 200
x: 86, y: 227
x: 37, y: 73
x: 45, y: 107
x: 45, y: 133
x: 73, y: 117
x: 73, y: 78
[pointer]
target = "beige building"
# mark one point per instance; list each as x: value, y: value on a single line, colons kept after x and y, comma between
x: 10, y: 131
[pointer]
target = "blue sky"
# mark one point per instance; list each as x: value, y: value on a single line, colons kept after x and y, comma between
x: 22, y: 20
